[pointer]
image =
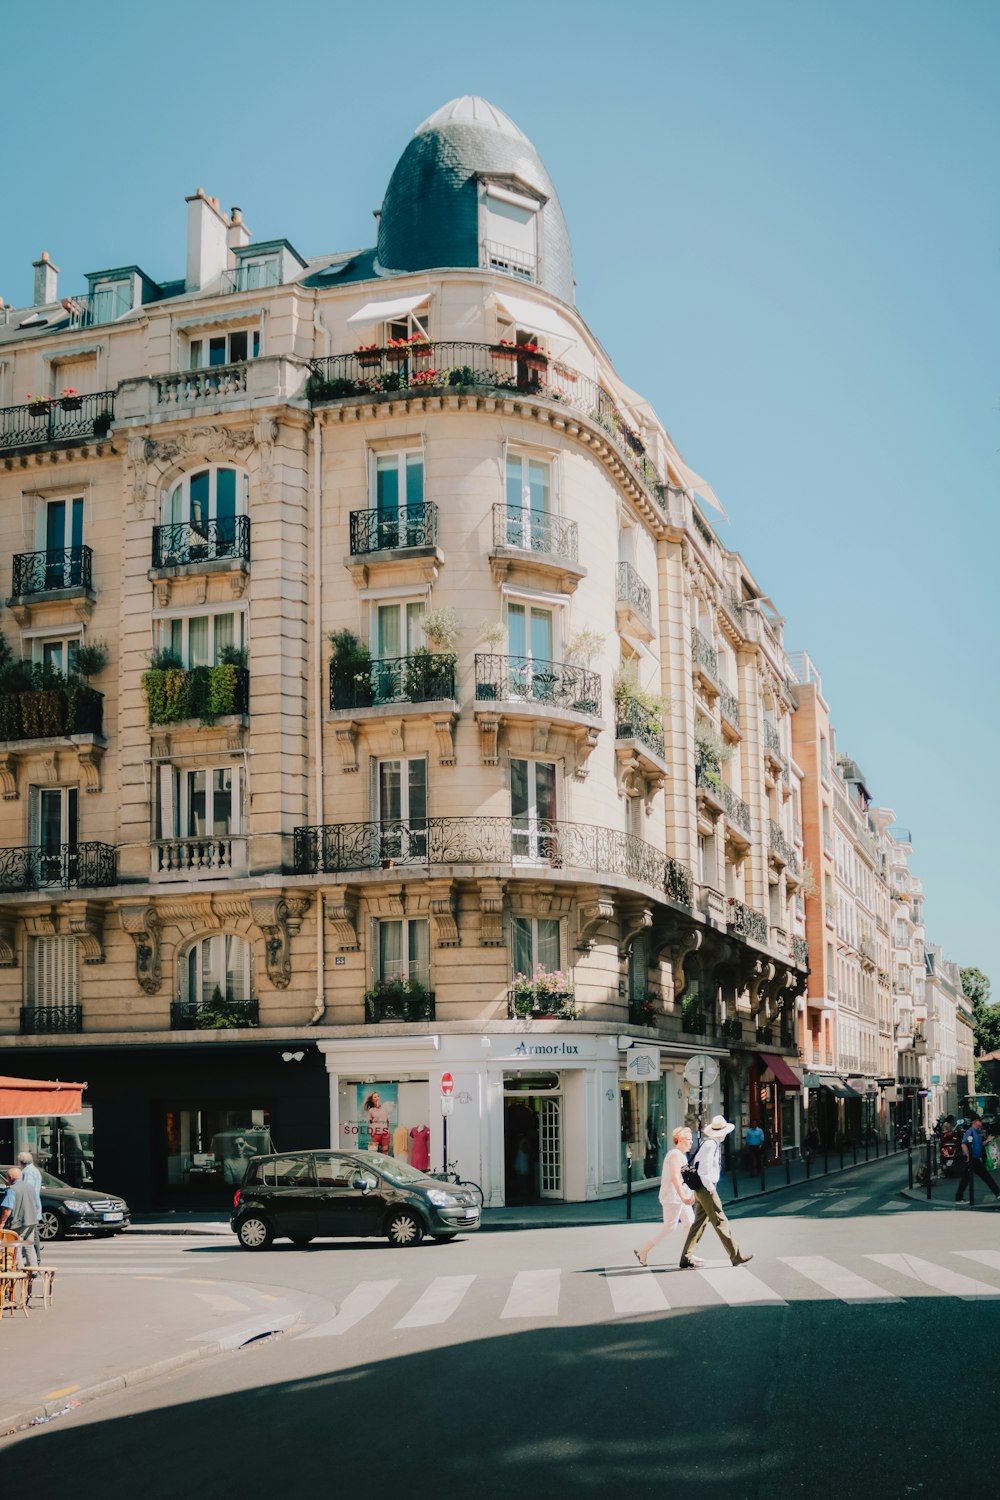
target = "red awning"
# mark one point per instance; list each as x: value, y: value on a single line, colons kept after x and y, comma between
x: 782, y: 1072
x: 35, y: 1096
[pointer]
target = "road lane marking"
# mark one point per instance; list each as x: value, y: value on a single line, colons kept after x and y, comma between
x: 437, y: 1302
x: 67, y: 1390
x: 534, y: 1294
x: 989, y: 1258
x: 364, y: 1299
x: 952, y: 1283
x: 845, y: 1205
x: 219, y: 1302
x: 635, y: 1292
x: 839, y: 1281
x: 738, y: 1286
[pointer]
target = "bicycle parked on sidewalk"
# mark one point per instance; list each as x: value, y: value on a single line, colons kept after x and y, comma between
x: 450, y: 1174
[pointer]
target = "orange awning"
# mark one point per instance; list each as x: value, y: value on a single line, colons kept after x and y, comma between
x: 782, y: 1072
x: 36, y: 1096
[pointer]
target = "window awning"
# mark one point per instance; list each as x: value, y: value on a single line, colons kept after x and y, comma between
x: 384, y: 312
x: 694, y: 484
x: 782, y: 1072
x: 840, y: 1088
x: 536, y: 317
x: 21, y: 1097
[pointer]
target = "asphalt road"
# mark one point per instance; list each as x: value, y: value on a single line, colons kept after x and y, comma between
x: 547, y: 1362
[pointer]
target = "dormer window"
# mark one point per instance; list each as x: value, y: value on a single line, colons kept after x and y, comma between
x: 224, y: 348
x: 509, y: 223
x: 252, y: 274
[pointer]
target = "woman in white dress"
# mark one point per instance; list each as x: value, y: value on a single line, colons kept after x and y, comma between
x: 674, y: 1196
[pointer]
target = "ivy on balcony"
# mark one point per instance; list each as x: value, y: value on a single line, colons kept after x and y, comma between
x: 175, y: 694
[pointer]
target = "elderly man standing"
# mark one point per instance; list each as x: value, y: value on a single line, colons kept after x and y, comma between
x: 18, y: 1212
x: 708, y: 1206
x: 33, y: 1178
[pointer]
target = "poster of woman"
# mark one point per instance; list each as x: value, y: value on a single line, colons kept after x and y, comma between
x: 378, y: 1111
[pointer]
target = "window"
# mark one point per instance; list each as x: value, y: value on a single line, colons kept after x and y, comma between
x: 54, y: 813
x: 224, y: 348
x: 109, y: 300
x: 403, y: 949
x: 532, y: 808
x: 334, y: 1171
x: 206, y: 504
x: 56, y: 652
x: 638, y: 968
x: 397, y: 496
x: 285, y: 1171
x: 529, y: 484
x: 59, y: 535
x: 256, y: 272
x: 510, y: 233
x: 402, y: 808
x: 53, y: 975
x: 206, y: 803
x: 199, y: 640
x: 219, y: 962
x: 78, y: 375
x: 534, y: 943
x: 396, y: 629
x: 414, y: 325
x: 531, y: 644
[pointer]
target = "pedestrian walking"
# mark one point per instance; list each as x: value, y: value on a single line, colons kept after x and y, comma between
x: 17, y: 1212
x: 33, y: 1177
x: 972, y: 1151
x: 675, y: 1198
x: 708, y: 1207
x: 755, y: 1148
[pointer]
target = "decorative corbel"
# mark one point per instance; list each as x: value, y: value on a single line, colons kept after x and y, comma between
x: 8, y: 950
x: 678, y: 947
x: 8, y: 776
x: 90, y: 757
x: 83, y: 609
x: 585, y: 747
x: 50, y: 767
x: 395, y: 729
x: 441, y: 906
x: 763, y: 972
x: 270, y: 914
x: 443, y: 725
x: 41, y: 921
x: 654, y: 784
x: 140, y: 451
x: 162, y: 589
x: 540, y: 736
x: 22, y: 614
x: 491, y: 914
x: 159, y: 746
x: 237, y: 583
x: 596, y: 908
x: 265, y: 435
x: 342, y: 909
x: 347, y: 745
x: 635, y: 919
x: 387, y: 901
x: 85, y: 921
x: 489, y: 735
x: 142, y: 923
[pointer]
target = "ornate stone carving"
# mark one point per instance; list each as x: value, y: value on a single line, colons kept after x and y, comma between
x: 540, y: 736
x: 90, y: 757
x: 278, y: 918
x: 138, y: 454
x: 8, y: 775
x: 635, y: 919
x: 585, y: 746
x: 8, y: 950
x: 50, y: 766
x: 489, y: 735
x: 85, y: 921
x: 762, y: 974
x: 491, y: 913
x: 387, y: 901
x: 142, y: 923
x: 347, y: 745
x: 443, y: 725
x: 595, y: 908
x: 342, y: 910
x: 441, y: 905
x: 265, y: 435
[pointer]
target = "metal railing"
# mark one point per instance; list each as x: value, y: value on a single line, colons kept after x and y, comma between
x: 90, y: 309
x: 730, y: 705
x: 337, y: 847
x: 423, y: 677
x: 555, y: 683
x: 244, y: 278
x: 765, y: 1036
x: 632, y: 591
x: 535, y: 1001
x: 455, y: 365
x: 776, y: 840
x: 535, y: 531
x: 633, y: 722
x: 183, y: 542
x: 704, y: 652
x: 57, y: 420
x: 745, y: 921
x: 772, y: 740
x: 38, y: 867
x: 51, y: 570
x: 513, y: 262
x: 732, y: 1029
x: 388, y: 530
x: 732, y: 601
x: 184, y: 387
x: 49, y: 713
x: 51, y: 1020
x: 175, y: 694
x: 737, y: 810
x: 218, y: 1015
x: 694, y: 1018
x: 800, y: 952
x: 395, y: 1004
x: 219, y: 855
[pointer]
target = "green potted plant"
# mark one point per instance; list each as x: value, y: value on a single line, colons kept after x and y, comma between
x: 713, y: 752
x: 492, y: 636
x: 39, y: 406
x: 70, y: 399
x: 102, y: 424
x: 350, y: 671
x: 91, y: 658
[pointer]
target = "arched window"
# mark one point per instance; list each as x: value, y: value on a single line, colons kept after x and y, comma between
x: 205, y: 512
x: 221, y: 962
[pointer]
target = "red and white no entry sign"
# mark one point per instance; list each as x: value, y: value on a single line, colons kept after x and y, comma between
x: 447, y: 1083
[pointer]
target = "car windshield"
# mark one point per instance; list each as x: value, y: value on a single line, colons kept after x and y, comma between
x: 47, y: 1178
x: 396, y: 1171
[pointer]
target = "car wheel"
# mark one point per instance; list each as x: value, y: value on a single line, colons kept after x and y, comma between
x: 404, y: 1228
x: 442, y: 1239
x: 254, y: 1233
x: 301, y: 1240
x: 50, y: 1226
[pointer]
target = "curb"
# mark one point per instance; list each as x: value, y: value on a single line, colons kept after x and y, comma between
x: 35, y: 1415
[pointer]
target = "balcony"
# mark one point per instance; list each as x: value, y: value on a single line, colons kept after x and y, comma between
x: 57, y: 712
x: 398, y: 371
x: 59, y: 866
x: 175, y: 695
x: 780, y: 847
x: 737, y: 811
x: 395, y: 1000
x: 641, y: 1012
x: 540, y: 1002
x: 250, y: 278
x: 729, y: 705
x: 765, y: 1036
x: 404, y: 529
x: 634, y: 602
x: 772, y: 742
x: 521, y: 264
x: 746, y: 922
x: 638, y: 730
x: 734, y: 606
x: 51, y: 1020
x: 536, y: 541
x: 93, y: 309
x: 182, y: 544
x: 215, y: 858
x: 54, y: 573
x: 66, y: 419
x: 800, y: 952
x: 706, y: 660
x: 732, y: 1029
x: 340, y: 847
x: 694, y: 1018
x: 192, y: 387
x: 213, y: 1015
x: 504, y: 678
x: 423, y: 677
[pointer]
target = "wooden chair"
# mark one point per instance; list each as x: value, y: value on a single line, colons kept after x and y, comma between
x: 48, y: 1275
x: 13, y: 1292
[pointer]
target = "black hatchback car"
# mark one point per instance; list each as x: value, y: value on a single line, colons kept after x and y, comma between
x: 305, y: 1194
x: 75, y: 1210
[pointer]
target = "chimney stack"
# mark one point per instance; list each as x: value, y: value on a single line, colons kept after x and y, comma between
x: 46, y: 281
x: 239, y: 234
x: 206, y: 241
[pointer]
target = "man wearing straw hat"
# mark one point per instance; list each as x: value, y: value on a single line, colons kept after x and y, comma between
x: 708, y: 1207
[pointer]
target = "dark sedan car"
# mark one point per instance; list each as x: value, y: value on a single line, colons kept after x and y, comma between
x: 305, y: 1194
x: 69, y: 1210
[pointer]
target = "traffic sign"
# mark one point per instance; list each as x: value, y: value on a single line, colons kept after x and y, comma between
x: 447, y: 1083
x: 704, y: 1065
x: 447, y: 1105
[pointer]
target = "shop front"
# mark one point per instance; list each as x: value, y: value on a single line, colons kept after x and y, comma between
x: 775, y: 1098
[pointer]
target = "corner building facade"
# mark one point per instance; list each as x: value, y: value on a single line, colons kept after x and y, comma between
x: 438, y: 732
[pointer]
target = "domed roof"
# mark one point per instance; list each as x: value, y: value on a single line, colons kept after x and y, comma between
x: 430, y: 214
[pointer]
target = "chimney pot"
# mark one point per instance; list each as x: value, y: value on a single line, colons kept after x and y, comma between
x: 46, y: 280
x: 206, y: 241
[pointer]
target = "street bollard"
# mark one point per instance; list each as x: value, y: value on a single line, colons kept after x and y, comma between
x: 928, y: 1169
x: 628, y: 1187
x: 866, y: 1147
x: 763, y: 1172
x: 909, y: 1163
x: 736, y: 1185
x: 841, y: 1156
x: 809, y: 1162
x: 788, y: 1172
x: 854, y: 1149
x: 826, y: 1160
x: 876, y: 1145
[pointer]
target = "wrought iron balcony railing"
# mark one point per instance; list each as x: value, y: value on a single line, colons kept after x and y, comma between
x: 59, y: 420
x: 555, y: 683
x: 732, y: 601
x: 91, y: 309
x: 777, y: 841
x: 633, y: 722
x: 641, y: 1012
x: 765, y: 1036
x: 188, y: 387
x: 39, y: 867
x: 174, y: 695
x: 51, y: 1020
x: 732, y: 1029
x: 529, y: 1003
x: 745, y: 921
x: 183, y: 542
x: 800, y: 952
x: 730, y: 705
x: 704, y: 653
x: 694, y: 1018
x: 339, y: 847
x: 51, y: 570
x: 737, y: 810
x: 535, y: 531
x: 213, y: 1015
x: 449, y: 365
x: 51, y: 713
x: 772, y: 740
x: 423, y: 677
x: 632, y: 591
x: 389, y: 530
x: 393, y: 1003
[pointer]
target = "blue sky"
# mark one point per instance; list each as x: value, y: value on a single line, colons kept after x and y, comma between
x: 786, y: 229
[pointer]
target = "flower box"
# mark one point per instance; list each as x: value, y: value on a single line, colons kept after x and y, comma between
x: 503, y: 351
x: 71, y: 403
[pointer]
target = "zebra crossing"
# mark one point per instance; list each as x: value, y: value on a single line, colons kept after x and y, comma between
x: 542, y: 1295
